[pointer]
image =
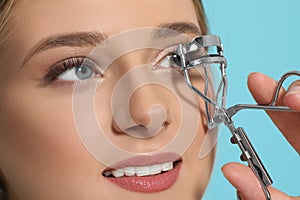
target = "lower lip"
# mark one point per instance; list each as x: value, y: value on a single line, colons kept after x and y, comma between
x: 148, y: 184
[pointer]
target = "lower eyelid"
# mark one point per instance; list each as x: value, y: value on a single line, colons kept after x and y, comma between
x: 67, y: 83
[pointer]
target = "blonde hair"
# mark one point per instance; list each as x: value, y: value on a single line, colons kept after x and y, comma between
x: 202, y: 21
x: 6, y: 7
x: 5, y: 12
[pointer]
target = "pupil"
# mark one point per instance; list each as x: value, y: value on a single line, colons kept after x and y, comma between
x: 83, y: 72
x: 177, y: 59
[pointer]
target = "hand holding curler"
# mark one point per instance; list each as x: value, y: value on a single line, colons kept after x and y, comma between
x: 262, y: 89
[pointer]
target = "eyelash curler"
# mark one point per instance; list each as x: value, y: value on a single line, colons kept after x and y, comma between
x: 190, y: 56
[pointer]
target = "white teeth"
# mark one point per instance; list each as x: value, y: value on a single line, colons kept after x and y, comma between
x: 167, y: 166
x: 155, y: 169
x: 129, y: 171
x: 140, y: 171
x: 107, y: 173
x: 118, y: 173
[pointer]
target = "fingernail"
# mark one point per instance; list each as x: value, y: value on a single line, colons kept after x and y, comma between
x: 294, y: 90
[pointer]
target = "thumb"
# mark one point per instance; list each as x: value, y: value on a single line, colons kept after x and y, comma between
x: 292, y: 98
x: 244, y: 180
x: 247, y: 184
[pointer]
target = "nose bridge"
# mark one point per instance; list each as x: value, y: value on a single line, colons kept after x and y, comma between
x: 138, y: 79
x: 131, y: 60
x: 146, y: 108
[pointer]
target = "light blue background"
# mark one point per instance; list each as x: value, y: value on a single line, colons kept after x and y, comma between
x: 264, y: 36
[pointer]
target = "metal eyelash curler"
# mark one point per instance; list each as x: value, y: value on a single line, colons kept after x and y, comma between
x: 191, y: 56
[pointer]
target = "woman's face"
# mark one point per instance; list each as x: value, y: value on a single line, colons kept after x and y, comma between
x: 41, y: 153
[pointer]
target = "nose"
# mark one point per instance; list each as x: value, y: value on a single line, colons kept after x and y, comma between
x: 138, y: 104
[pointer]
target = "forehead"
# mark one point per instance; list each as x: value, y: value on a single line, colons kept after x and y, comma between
x: 35, y: 20
x: 56, y: 16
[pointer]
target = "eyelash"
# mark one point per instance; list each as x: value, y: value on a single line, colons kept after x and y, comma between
x: 53, y: 72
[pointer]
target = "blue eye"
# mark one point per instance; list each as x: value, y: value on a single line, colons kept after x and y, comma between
x: 72, y: 69
x: 77, y: 73
x: 84, y: 72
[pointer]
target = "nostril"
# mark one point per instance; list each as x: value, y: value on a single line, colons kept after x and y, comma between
x: 116, y: 128
x: 166, y: 123
x: 142, y: 124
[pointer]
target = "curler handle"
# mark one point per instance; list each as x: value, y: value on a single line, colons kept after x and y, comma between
x: 249, y: 154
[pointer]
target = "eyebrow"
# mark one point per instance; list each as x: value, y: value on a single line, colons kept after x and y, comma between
x: 78, y: 39
x: 93, y: 38
x: 177, y: 28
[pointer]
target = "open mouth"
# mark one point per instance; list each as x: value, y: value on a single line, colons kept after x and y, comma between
x: 146, y: 179
x: 141, y: 170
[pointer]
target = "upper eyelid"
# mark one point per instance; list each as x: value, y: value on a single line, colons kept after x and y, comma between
x: 92, y: 64
x: 61, y: 61
x: 162, y: 54
x: 85, y: 59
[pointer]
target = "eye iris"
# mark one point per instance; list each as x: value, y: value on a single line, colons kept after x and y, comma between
x: 83, y: 72
x: 176, y: 59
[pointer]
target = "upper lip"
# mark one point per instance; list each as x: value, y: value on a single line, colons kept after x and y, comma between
x: 145, y: 160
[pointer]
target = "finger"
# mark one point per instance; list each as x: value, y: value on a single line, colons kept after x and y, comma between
x: 244, y: 180
x: 292, y: 98
x: 262, y: 88
x: 248, y: 186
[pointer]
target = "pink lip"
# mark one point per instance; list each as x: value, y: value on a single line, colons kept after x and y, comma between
x: 148, y: 184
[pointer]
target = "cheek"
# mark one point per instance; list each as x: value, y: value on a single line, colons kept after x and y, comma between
x: 39, y: 146
x: 199, y: 169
